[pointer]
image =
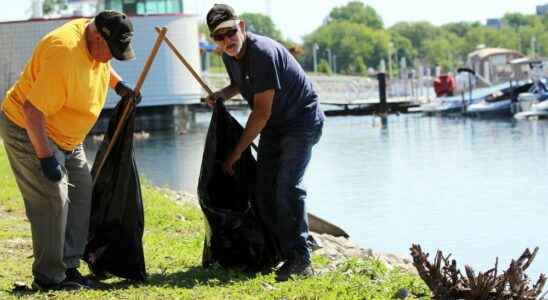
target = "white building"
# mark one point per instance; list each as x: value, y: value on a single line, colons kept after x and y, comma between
x: 168, y: 83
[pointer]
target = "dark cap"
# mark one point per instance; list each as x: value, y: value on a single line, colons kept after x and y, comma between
x: 221, y: 16
x: 117, y: 30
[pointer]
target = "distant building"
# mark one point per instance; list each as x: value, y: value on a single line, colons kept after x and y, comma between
x: 542, y: 10
x: 169, y: 88
x: 167, y: 84
x: 494, y: 23
x: 492, y: 64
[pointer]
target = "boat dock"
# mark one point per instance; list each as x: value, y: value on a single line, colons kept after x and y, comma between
x: 355, y: 95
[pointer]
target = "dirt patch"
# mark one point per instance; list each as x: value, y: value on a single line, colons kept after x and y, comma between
x: 16, y: 247
x: 18, y: 244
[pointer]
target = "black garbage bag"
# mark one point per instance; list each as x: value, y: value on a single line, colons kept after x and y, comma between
x: 117, y: 219
x: 235, y: 235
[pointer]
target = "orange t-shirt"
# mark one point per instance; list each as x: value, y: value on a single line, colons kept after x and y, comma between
x: 62, y: 81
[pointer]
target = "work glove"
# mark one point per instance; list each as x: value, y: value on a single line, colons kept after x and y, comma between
x: 124, y: 90
x: 51, y: 168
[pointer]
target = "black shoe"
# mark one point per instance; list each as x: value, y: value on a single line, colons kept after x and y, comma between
x: 63, y: 285
x: 74, y: 276
x: 297, y: 266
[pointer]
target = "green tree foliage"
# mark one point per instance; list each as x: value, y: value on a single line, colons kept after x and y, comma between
x: 263, y: 25
x: 460, y: 29
x: 360, y: 67
x: 348, y: 41
x: 516, y: 20
x: 417, y: 33
x: 357, y: 12
x: 324, y: 67
x: 402, y: 47
x: 53, y: 6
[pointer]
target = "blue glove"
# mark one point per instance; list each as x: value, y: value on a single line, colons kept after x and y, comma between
x: 124, y: 90
x: 51, y: 168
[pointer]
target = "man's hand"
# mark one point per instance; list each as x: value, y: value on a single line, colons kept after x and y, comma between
x: 228, y: 165
x: 213, y: 98
x: 51, y: 168
x: 124, y: 90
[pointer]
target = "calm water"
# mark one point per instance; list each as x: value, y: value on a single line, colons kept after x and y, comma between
x: 473, y: 188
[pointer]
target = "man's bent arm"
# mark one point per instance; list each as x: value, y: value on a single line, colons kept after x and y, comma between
x: 36, y: 130
x: 229, y: 91
x: 262, y: 109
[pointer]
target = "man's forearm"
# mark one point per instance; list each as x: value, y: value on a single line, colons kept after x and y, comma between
x: 255, y: 124
x: 230, y: 91
x: 36, y: 130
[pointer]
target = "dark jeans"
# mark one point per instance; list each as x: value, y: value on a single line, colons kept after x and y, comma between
x: 282, y: 162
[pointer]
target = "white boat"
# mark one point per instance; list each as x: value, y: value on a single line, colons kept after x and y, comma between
x: 499, y: 103
x: 456, y: 104
x: 535, y: 103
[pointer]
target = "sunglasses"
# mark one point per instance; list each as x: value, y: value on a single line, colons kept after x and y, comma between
x: 221, y: 36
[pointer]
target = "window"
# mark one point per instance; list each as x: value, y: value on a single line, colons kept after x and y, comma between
x: 145, y: 7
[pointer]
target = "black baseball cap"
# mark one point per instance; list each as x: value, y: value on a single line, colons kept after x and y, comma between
x: 117, y: 30
x: 221, y: 16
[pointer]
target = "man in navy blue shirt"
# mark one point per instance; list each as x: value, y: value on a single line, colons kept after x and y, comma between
x: 285, y: 111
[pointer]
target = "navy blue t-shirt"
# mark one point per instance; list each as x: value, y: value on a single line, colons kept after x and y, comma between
x: 269, y: 65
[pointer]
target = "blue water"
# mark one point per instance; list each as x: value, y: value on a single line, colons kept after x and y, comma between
x: 474, y: 188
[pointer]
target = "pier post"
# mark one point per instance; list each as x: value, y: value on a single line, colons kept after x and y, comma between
x: 182, y: 117
x: 383, y: 107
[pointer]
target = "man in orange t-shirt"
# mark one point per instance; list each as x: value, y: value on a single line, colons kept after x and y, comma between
x: 43, y: 121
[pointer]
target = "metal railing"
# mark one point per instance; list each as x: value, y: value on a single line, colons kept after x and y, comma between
x: 349, y: 90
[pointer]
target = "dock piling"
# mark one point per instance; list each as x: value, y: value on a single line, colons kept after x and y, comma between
x: 383, y: 107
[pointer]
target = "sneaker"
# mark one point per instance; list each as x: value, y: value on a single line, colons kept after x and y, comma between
x: 74, y: 276
x: 298, y: 266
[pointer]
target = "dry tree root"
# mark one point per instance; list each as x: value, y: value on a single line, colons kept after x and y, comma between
x: 447, y: 283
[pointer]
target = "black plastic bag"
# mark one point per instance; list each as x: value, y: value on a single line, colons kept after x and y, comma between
x: 235, y: 235
x: 117, y: 219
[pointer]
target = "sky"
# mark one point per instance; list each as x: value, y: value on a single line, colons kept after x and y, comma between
x: 296, y: 18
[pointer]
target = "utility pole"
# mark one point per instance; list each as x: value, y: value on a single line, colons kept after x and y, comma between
x: 334, y: 63
x: 330, y: 59
x: 315, y: 49
x: 390, y: 45
x: 533, y: 47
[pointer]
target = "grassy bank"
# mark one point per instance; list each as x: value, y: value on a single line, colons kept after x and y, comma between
x: 173, y: 242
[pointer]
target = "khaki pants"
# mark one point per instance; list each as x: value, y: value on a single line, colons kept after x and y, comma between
x: 58, y: 212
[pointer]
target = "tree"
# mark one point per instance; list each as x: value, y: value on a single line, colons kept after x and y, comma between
x: 491, y: 37
x: 403, y: 47
x: 517, y: 20
x: 324, y: 67
x: 417, y: 33
x: 361, y: 68
x: 263, y: 25
x: 53, y: 6
x: 348, y: 41
x: 357, y: 12
x: 440, y: 52
x: 460, y: 28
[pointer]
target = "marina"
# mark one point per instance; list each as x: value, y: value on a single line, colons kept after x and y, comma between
x: 435, y: 139
x: 464, y: 185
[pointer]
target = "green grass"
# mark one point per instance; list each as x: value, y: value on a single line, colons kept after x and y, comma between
x: 173, y: 243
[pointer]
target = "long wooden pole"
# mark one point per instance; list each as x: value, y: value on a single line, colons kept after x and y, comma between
x: 192, y: 71
x: 161, y: 35
x: 187, y: 65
